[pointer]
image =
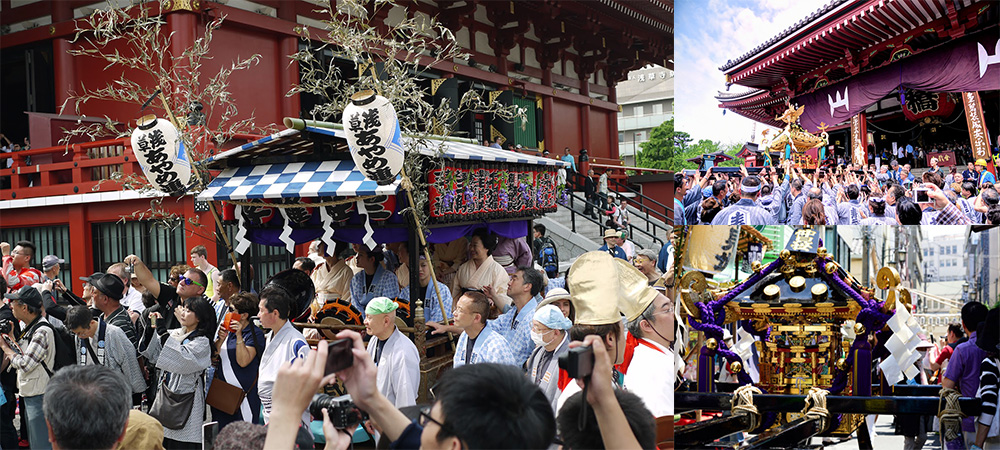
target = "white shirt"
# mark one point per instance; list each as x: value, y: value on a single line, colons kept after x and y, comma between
x: 133, y: 300
x: 398, y: 376
x: 650, y: 375
x: 286, y: 344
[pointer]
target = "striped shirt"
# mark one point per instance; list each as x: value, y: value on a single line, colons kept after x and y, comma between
x: 988, y: 382
x: 121, y: 319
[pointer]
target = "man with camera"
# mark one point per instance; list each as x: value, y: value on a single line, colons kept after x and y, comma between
x: 394, y: 354
x: 34, y: 354
x: 191, y: 284
x: 476, y: 406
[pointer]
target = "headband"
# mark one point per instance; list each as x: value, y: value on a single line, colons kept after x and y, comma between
x: 750, y: 189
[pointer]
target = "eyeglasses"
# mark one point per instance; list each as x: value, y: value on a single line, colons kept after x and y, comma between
x: 425, y: 417
x: 175, y: 279
x: 187, y: 281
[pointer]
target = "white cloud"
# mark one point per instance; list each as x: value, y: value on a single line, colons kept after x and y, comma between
x: 707, y: 35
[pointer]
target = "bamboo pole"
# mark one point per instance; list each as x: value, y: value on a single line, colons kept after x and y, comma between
x: 427, y: 255
x: 301, y: 124
x: 211, y: 206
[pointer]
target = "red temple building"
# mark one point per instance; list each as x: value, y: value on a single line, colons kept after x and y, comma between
x: 559, y: 60
x: 880, y: 73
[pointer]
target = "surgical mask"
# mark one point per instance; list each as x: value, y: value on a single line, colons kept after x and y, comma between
x: 538, y: 338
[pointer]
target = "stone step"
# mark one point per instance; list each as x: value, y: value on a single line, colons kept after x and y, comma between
x: 588, y: 235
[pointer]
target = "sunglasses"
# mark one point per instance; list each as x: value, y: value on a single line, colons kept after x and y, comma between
x: 187, y: 281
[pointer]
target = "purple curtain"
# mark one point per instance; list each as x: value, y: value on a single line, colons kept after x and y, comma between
x: 970, y: 64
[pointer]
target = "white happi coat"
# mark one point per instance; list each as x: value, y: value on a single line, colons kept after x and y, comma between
x: 398, y: 376
x: 285, y: 344
x: 650, y: 375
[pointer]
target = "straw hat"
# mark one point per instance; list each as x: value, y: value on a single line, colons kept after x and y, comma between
x: 611, y: 233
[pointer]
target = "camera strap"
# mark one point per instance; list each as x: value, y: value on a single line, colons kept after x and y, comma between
x: 98, y: 357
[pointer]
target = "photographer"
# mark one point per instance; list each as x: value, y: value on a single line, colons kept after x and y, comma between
x: 476, y: 406
x: 38, y: 353
x: 616, y: 430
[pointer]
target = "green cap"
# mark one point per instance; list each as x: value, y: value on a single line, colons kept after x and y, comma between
x: 380, y: 305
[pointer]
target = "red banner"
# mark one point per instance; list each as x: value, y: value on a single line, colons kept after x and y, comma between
x: 978, y: 136
x: 485, y: 193
x: 859, y: 140
x: 944, y: 159
x: 920, y: 104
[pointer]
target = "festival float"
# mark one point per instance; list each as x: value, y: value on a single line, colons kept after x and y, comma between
x: 799, y: 349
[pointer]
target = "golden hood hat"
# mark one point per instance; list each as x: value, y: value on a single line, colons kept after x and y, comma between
x: 593, y: 285
x: 635, y: 294
x: 604, y: 287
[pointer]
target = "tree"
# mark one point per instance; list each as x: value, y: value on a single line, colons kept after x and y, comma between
x: 665, y: 149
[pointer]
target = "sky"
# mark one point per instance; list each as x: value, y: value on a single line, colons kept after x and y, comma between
x: 707, y: 34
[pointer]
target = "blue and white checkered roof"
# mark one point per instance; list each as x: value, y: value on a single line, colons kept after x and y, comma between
x: 326, y: 178
x: 294, y: 180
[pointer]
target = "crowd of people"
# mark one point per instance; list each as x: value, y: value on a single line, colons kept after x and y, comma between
x: 197, y: 347
x: 845, y: 195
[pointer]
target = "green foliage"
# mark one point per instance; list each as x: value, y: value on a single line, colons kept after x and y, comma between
x: 670, y: 149
x: 665, y: 148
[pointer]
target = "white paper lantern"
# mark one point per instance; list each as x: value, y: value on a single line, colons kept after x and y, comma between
x: 158, y: 147
x: 373, y: 136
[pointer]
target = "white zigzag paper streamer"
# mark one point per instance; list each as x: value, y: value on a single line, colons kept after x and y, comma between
x: 286, y: 232
x: 242, y: 244
x: 744, y: 348
x: 902, y: 346
x: 369, y: 232
x: 327, y: 230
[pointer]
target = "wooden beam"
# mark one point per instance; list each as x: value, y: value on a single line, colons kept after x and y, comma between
x: 838, y: 404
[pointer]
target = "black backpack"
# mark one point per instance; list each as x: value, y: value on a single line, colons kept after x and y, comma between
x: 548, y: 258
x: 65, y: 347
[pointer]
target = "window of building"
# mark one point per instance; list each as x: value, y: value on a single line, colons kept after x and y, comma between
x: 657, y: 108
x: 51, y: 240
x: 638, y: 110
x: 621, y: 136
x: 954, y: 249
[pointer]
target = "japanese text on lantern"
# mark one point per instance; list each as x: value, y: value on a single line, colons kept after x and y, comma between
x: 154, y: 146
x: 365, y: 125
x: 803, y: 240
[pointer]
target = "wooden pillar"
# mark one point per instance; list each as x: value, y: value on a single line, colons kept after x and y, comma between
x: 81, y: 252
x: 199, y: 235
x: 550, y: 142
x: 287, y: 67
x: 62, y: 62
x: 585, y: 117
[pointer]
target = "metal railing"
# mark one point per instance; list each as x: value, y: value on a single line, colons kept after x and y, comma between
x: 577, y: 199
x: 653, y: 230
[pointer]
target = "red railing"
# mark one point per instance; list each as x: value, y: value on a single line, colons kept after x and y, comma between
x: 77, y: 169
x: 61, y: 170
